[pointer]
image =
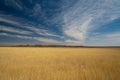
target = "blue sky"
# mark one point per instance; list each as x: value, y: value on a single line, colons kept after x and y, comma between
x: 60, y: 22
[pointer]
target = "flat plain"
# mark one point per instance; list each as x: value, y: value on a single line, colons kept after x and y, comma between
x: 47, y: 63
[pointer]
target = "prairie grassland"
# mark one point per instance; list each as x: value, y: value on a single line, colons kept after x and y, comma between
x: 19, y: 63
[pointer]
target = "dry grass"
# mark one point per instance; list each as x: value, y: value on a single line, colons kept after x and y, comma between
x: 59, y: 63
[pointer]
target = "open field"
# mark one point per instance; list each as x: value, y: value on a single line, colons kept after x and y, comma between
x: 24, y: 63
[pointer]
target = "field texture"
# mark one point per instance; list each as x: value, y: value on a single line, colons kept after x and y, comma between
x: 59, y: 63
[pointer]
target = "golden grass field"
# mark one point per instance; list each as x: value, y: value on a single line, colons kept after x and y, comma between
x: 29, y: 63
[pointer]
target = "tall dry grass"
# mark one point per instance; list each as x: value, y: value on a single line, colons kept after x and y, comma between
x: 59, y: 63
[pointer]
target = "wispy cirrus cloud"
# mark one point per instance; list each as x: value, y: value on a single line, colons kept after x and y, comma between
x: 23, y: 23
x: 85, y: 16
x: 108, y: 39
x: 14, y: 30
x: 65, y: 22
x: 39, y: 39
x: 14, y: 3
x: 8, y: 20
x: 73, y: 42
x: 16, y: 36
x: 48, y: 41
x: 42, y: 31
x: 76, y: 30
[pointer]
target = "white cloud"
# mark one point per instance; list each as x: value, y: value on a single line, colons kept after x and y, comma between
x: 73, y: 42
x: 3, y: 34
x: 21, y: 22
x: 9, y: 21
x: 40, y: 39
x: 80, y: 18
x: 14, y: 3
x: 14, y: 30
x: 105, y: 39
x: 47, y: 40
x: 77, y: 30
x: 42, y: 31
x: 16, y: 36
x: 85, y: 16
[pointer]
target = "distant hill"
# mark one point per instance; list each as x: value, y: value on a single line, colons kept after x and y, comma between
x: 81, y: 46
